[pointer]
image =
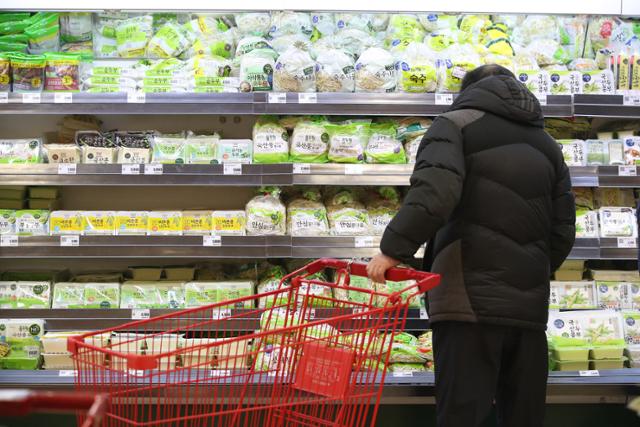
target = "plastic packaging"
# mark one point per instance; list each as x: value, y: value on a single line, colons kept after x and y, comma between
x: 132, y: 36
x: 169, y: 149
x: 229, y: 223
x: 256, y: 70
x: 170, y: 40
x: 32, y: 222
x: 347, y: 142
x: 307, y: 216
x: 164, y: 223
x: 27, y: 72
x: 19, y: 151
x: 266, y: 214
x: 131, y: 223
x: 375, y: 71
x: 335, y: 71
x: 309, y: 142
x: 416, y: 69
x: 383, y: 147
x: 270, y: 142
x: 99, y: 223
x: 294, y: 71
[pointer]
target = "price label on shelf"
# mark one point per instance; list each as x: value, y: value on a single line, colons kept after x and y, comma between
x: 632, y: 100
x: 627, y: 171
x: 353, y: 169
x: 277, y: 98
x: 69, y: 240
x: 627, y: 242
x: 67, y: 373
x: 136, y: 372
x: 307, y: 98
x: 232, y: 169
x: 4, y: 98
x: 364, y: 242
x: 211, y: 241
x: 219, y: 373
x: 542, y: 98
x: 400, y: 374
x: 140, y: 314
x: 130, y: 169
x: 423, y: 312
x: 67, y: 168
x: 8, y: 240
x: 302, y: 168
x: 136, y: 98
x: 31, y: 98
x: 444, y: 98
x: 221, y: 313
x: 62, y: 98
x: 153, y: 169
x: 589, y: 373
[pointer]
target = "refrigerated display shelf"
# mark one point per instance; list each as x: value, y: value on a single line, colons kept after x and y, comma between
x: 605, y: 106
x: 283, y: 174
x: 614, y: 386
x: 383, y: 104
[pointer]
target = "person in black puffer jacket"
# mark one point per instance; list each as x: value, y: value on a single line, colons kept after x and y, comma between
x: 492, y: 194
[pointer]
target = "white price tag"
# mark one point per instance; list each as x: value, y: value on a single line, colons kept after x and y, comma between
x: 444, y: 98
x: 130, y: 169
x: 68, y: 373
x: 364, y: 242
x: 221, y: 313
x: 4, y: 98
x: 136, y: 372
x: 355, y: 169
x: 589, y: 373
x: 232, y: 169
x: 153, y: 169
x: 62, y: 98
x: 312, y: 314
x: 307, y: 98
x: 277, y: 98
x: 542, y: 98
x: 626, y: 242
x: 69, y: 240
x: 8, y: 240
x: 31, y: 98
x: 302, y: 168
x: 400, y: 374
x: 67, y: 168
x: 627, y: 171
x: 136, y: 98
x: 632, y: 100
x: 219, y: 373
x: 140, y: 314
x: 211, y: 241
x: 423, y: 312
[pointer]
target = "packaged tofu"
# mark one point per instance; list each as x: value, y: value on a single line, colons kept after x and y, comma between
x: 134, y: 147
x: 632, y: 301
x: 235, y: 151
x: 597, y: 152
x: 20, y: 151
x: 99, y: 155
x: 68, y: 295
x: 32, y: 295
x: 63, y: 153
x: 565, y: 82
x: 612, y: 295
x: 164, y: 223
x: 202, y: 149
x: 99, y: 223
x: 7, y: 294
x: 152, y: 295
x: 197, y: 294
x: 615, y: 149
x: 32, y: 222
x: 196, y: 223
x: 537, y: 81
x: 101, y: 295
x: 234, y: 290
x: 66, y: 223
x: 7, y: 221
x: 572, y: 295
x: 586, y: 224
x: 23, y: 336
x: 598, y: 82
x: 229, y: 223
x: 131, y: 223
x: 631, y: 326
x: 573, y: 151
x: 617, y: 222
x: 169, y: 149
x: 632, y: 150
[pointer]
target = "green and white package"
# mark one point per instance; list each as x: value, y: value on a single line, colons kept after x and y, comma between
x: 197, y: 294
x: 573, y: 151
x: 307, y: 218
x: 352, y: 220
x: 23, y: 336
x: 335, y: 71
x: 309, y: 142
x: 273, y: 358
x: 380, y: 215
x: 586, y: 224
x: 7, y: 294
x: 132, y: 36
x: 256, y: 70
x: 216, y: 44
x: 376, y: 71
x: 170, y: 40
x: 234, y: 290
x: 411, y: 149
x: 101, y: 295
x: 279, y: 318
x: 383, y: 146
x: 579, y: 328
x: 235, y: 151
x: 537, y: 81
x: 611, y: 295
x: 202, y: 149
x: 152, y: 295
x: 417, y: 69
x: 391, y: 287
x: 565, y: 82
x: 347, y: 142
x: 75, y: 27
x: 32, y: 222
x: 68, y: 295
x: 32, y: 295
x: 572, y: 295
x: 168, y: 149
x: 270, y: 142
x: 249, y: 44
x: 7, y: 221
x: 617, y: 222
x: 407, y: 367
x: 255, y: 24
x: 266, y: 214
x: 631, y: 327
x: 19, y: 151
x: 295, y: 71
x: 598, y: 82
x: 405, y: 353
x: 270, y: 281
x: 597, y: 152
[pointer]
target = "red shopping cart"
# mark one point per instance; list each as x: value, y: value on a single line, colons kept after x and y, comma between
x: 309, y: 353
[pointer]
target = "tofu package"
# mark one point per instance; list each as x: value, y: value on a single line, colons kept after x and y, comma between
x: 98, y: 223
x: 229, y: 223
x: 131, y: 223
x: 164, y: 223
x: 573, y: 151
x: 66, y: 223
x: 196, y: 223
x: 234, y: 151
x: 25, y: 294
x: 23, y: 336
x: 63, y: 153
x: 101, y: 295
x: 572, y: 295
x: 68, y: 295
x: 32, y: 222
x: 617, y: 222
x: 152, y: 295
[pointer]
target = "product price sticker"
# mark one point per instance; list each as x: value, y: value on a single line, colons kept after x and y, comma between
x: 4, y: 98
x: 220, y: 313
x: 307, y: 98
x: 67, y: 373
x: 627, y: 171
x: 277, y: 98
x: 69, y: 240
x: 302, y: 168
x: 211, y: 240
x: 8, y: 240
x: 153, y: 169
x: 589, y: 373
x: 400, y: 374
x: 232, y: 169
x: 542, y: 98
x: 219, y: 373
x: 631, y: 99
x: 627, y: 242
x: 140, y: 314
x: 130, y: 169
x: 444, y: 98
x: 62, y: 98
x: 364, y: 242
x: 355, y: 169
x: 31, y: 98
x: 67, y: 169
x: 136, y: 98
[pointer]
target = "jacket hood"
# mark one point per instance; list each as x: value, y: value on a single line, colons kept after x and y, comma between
x: 503, y: 96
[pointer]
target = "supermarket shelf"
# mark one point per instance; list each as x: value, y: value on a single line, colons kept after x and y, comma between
x: 246, y: 320
x: 378, y: 104
x: 615, y: 386
x: 352, y: 174
x: 603, y: 248
x: 603, y: 106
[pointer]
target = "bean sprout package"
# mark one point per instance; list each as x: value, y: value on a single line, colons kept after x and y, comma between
x: 284, y: 23
x: 347, y: 141
x: 270, y: 142
x: 266, y: 214
x: 270, y: 281
x: 347, y: 215
x: 170, y: 40
x: 376, y: 71
x: 383, y: 146
x: 335, y: 71
x: 253, y: 24
x: 307, y: 216
x: 460, y: 59
x: 295, y: 71
x: 416, y: 69
x: 402, y: 31
x: 133, y: 35
x: 382, y: 206
x: 256, y: 70
x: 309, y: 142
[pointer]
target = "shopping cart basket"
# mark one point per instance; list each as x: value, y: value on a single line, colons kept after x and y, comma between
x: 309, y: 353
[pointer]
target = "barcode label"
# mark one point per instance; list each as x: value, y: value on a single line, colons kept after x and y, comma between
x: 130, y: 169
x: 444, y: 98
x: 302, y: 168
x: 626, y: 242
x: 69, y: 240
x: 364, y: 242
x: 62, y: 98
x: 211, y: 241
x: 67, y: 373
x: 232, y: 169
x: 140, y: 313
x: 221, y: 313
x: 136, y: 98
x: 153, y: 169
x: 277, y: 98
x: 67, y: 169
x: 632, y: 100
x: 307, y: 98
x: 589, y: 373
x: 353, y: 169
x: 8, y: 240
x: 627, y: 171
x: 31, y: 98
x: 542, y: 98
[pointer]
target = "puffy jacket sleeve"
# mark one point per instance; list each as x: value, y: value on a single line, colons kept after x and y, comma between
x: 436, y: 188
x: 563, y: 232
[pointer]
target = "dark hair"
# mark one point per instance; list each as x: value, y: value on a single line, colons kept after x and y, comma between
x: 482, y: 72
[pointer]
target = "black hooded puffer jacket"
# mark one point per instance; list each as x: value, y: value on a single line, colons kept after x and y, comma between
x: 490, y: 189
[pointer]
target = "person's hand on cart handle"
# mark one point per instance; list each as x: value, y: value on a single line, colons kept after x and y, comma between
x: 379, y: 265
